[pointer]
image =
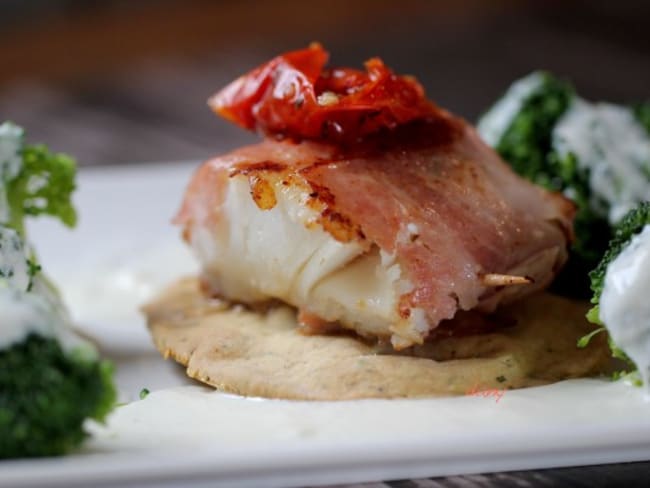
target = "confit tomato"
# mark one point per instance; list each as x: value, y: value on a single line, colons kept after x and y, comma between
x: 295, y: 95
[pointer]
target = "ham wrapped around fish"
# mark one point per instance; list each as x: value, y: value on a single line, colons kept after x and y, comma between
x: 366, y: 206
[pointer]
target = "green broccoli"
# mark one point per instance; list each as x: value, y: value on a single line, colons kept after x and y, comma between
x: 632, y: 224
x: 46, y: 394
x: 50, y: 379
x: 524, y: 138
x: 44, y: 186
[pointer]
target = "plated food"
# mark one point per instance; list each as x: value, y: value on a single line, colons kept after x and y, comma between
x: 384, y: 220
x: 51, y: 380
x: 373, y: 245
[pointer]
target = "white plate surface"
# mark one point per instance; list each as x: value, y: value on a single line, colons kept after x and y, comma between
x: 183, y: 434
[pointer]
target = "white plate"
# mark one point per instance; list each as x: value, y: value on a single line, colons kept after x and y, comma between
x: 182, y: 434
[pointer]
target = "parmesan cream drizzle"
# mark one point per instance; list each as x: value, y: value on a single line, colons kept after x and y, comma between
x: 624, y: 304
x: 13, y: 260
x: 207, y: 419
x: 608, y: 141
x: 25, y: 313
x: 30, y: 305
x: 498, y: 119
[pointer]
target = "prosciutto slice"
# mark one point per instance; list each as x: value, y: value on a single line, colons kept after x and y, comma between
x: 388, y: 233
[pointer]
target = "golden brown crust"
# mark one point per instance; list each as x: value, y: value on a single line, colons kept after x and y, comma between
x: 255, y: 354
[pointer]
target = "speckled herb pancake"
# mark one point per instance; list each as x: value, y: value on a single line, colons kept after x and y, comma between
x: 265, y: 354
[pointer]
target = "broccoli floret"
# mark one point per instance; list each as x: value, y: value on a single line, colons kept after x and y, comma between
x: 632, y: 224
x: 45, y: 396
x: 592, y: 231
x: 44, y: 186
x: 526, y: 144
x: 47, y: 388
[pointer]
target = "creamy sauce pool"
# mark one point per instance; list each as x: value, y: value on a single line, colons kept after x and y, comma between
x: 624, y: 303
x: 191, y: 417
x: 608, y: 141
x: 129, y: 278
x: 106, y: 294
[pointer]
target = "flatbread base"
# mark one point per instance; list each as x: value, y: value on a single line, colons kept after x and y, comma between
x: 264, y: 354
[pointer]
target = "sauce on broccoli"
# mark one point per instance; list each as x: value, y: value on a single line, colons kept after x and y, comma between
x: 51, y: 380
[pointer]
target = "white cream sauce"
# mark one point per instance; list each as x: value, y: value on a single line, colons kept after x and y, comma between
x: 196, y: 418
x: 105, y: 295
x: 624, y: 303
x: 13, y: 260
x: 608, y: 141
x: 22, y: 314
x: 498, y: 119
x: 25, y: 313
x: 30, y: 305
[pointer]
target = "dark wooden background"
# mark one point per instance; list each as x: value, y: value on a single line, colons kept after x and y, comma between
x: 118, y: 82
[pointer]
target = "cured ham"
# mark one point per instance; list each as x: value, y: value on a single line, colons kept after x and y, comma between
x: 366, y: 205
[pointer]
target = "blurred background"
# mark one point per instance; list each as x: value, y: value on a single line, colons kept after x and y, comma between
x: 118, y: 81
